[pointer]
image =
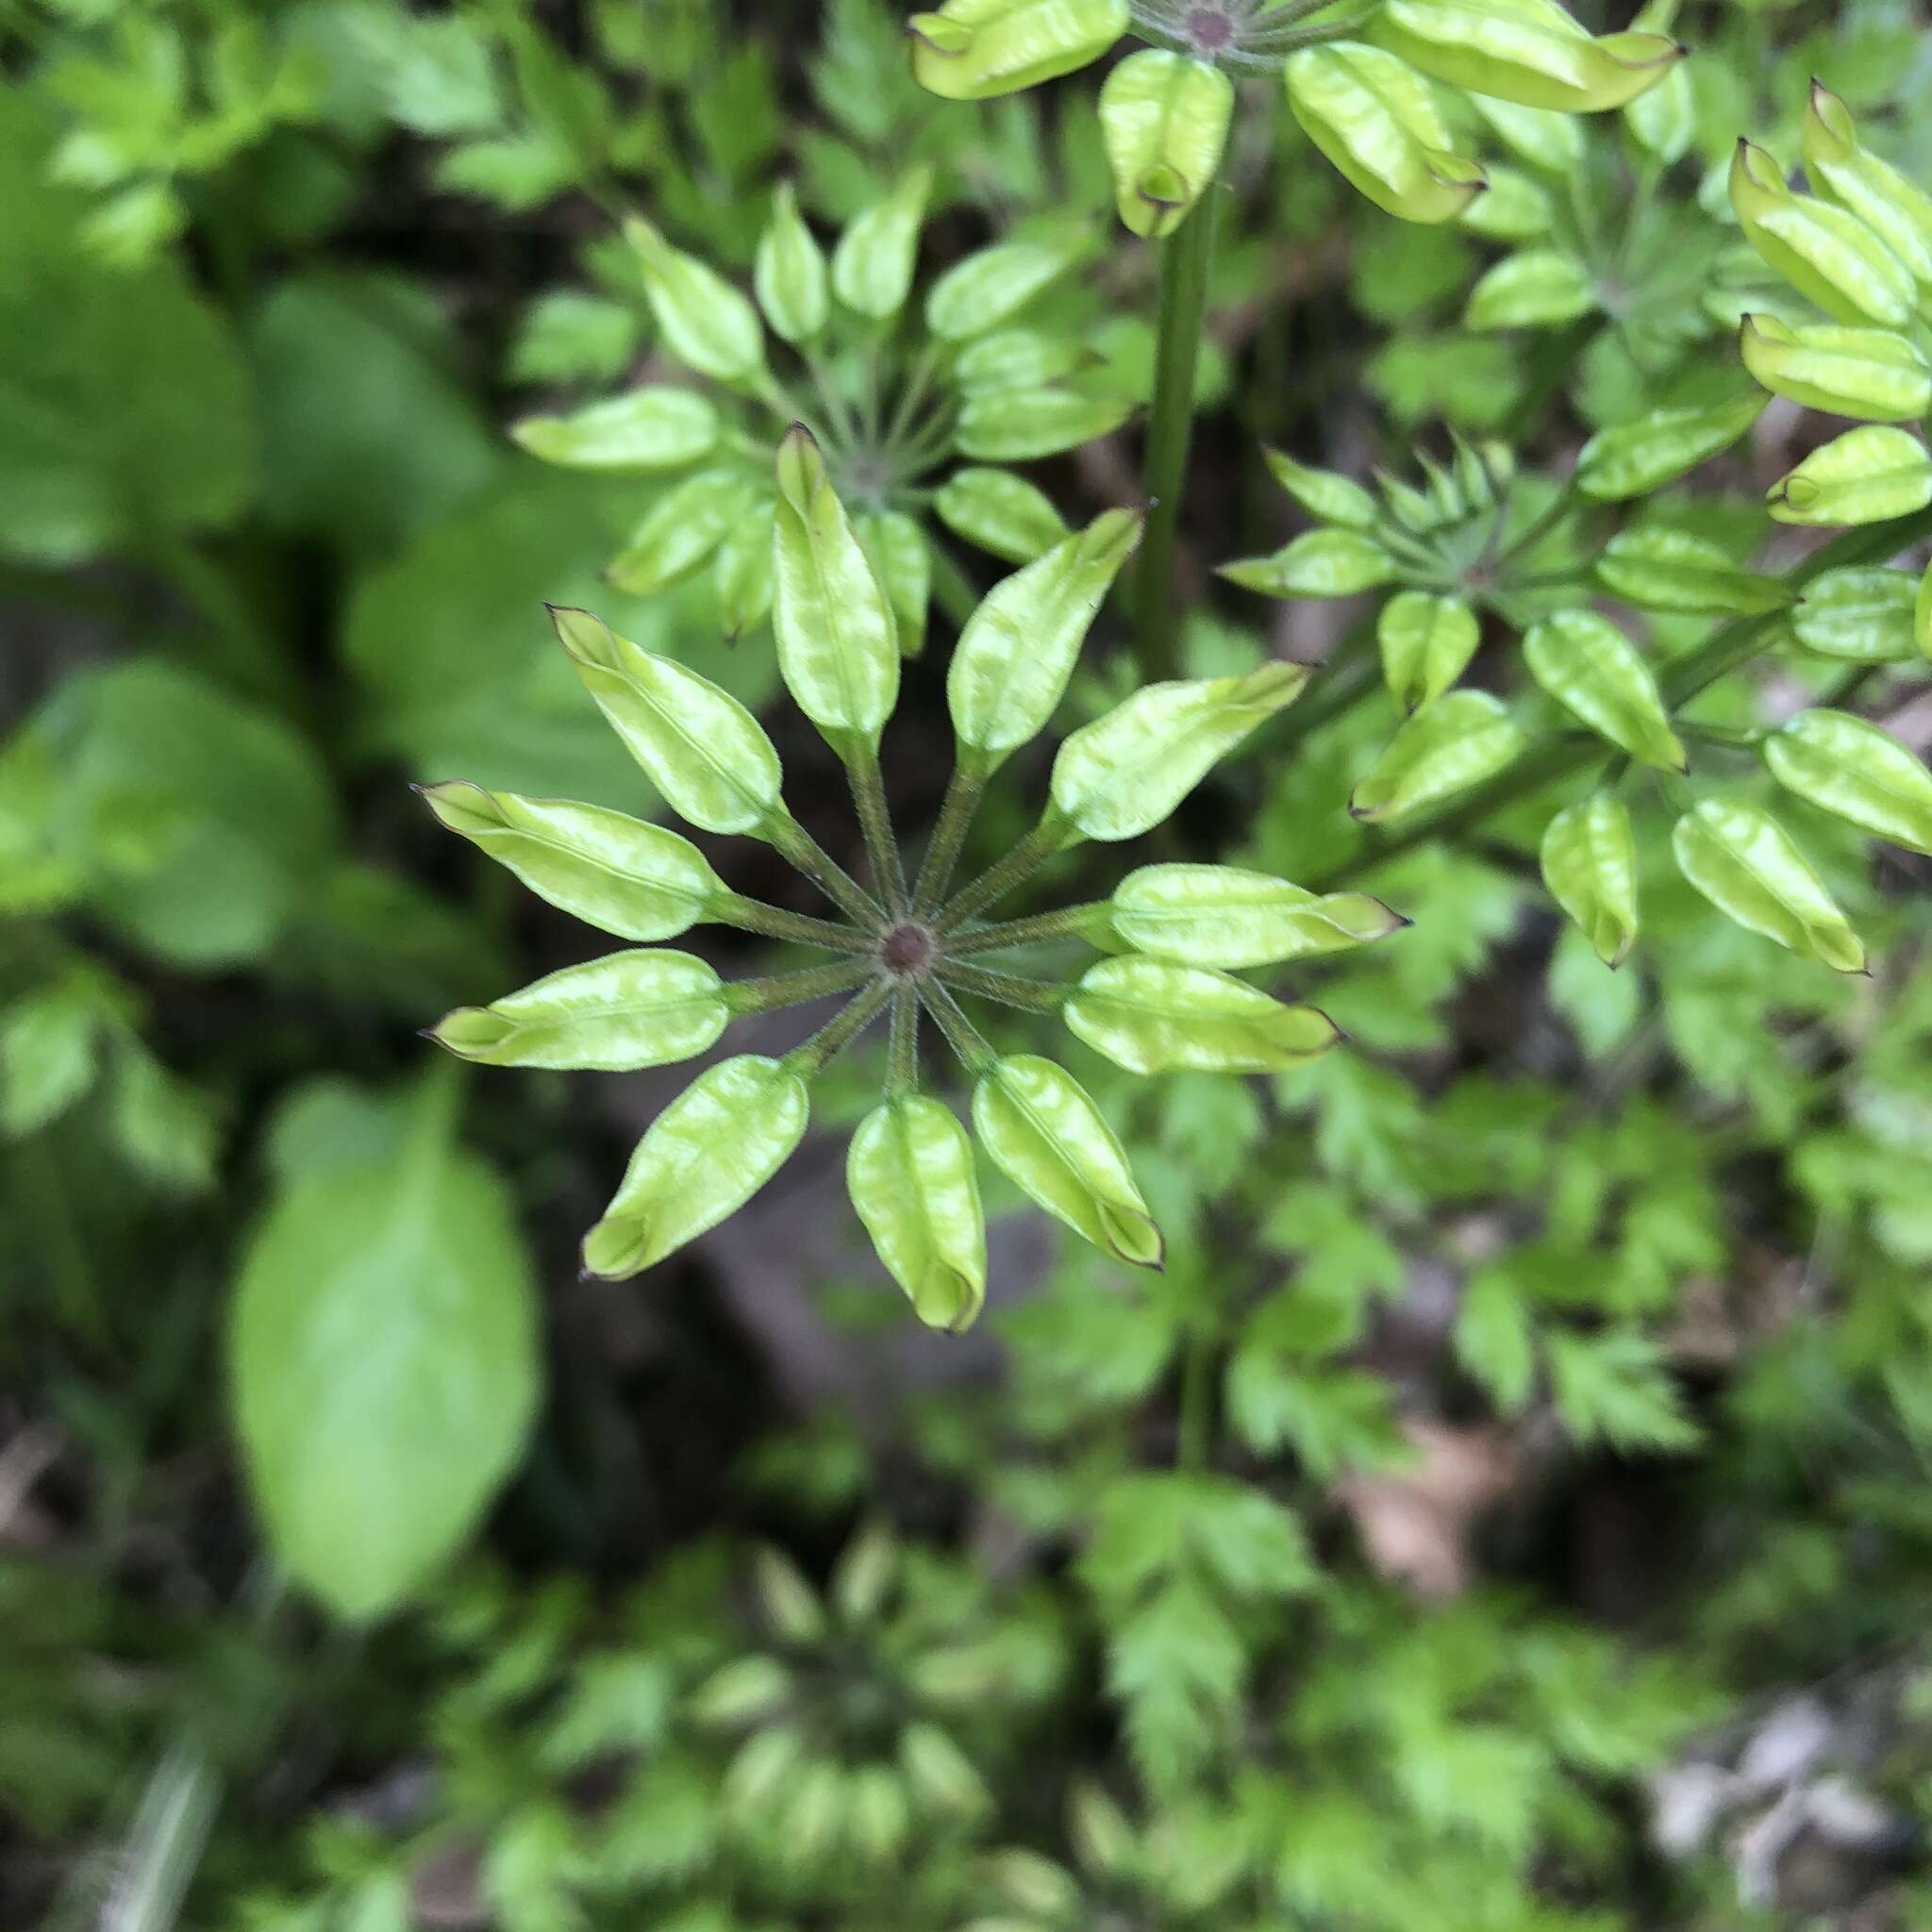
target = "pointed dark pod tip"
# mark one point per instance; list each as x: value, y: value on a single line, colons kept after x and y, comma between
x: 1401, y: 919
x: 427, y: 1033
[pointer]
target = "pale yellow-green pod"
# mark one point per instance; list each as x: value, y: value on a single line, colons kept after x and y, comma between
x: 1325, y: 495
x: 991, y: 286
x: 1459, y: 741
x: 1871, y: 374
x: 1745, y: 863
x: 1317, y: 563
x: 1590, y: 667
x: 683, y: 528
x: 1657, y: 568
x: 1590, y: 865
x: 645, y: 430
x: 1023, y: 426
x: 1866, y: 475
x: 788, y: 272
x: 1864, y: 614
x: 1850, y: 768
x: 1535, y: 288
x: 910, y: 1175
x: 872, y: 264
x: 1227, y: 917
x: 901, y: 559
x: 1155, y: 1016
x: 707, y: 325
x: 972, y: 50
x: 1165, y: 120
x: 1633, y: 458
x: 1000, y: 512
x: 1427, y: 641
x: 1890, y: 204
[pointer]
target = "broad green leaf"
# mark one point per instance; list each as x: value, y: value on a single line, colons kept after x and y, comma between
x: 1891, y: 205
x: 910, y: 1172
x: 1042, y: 1130
x: 1317, y: 563
x: 700, y: 1159
x: 1462, y: 739
x: 1153, y: 1016
x: 1588, y: 665
x: 1221, y: 915
x: 705, y: 752
x: 1826, y: 253
x: 1165, y: 120
x: 1660, y: 569
x: 1000, y: 512
x: 1013, y: 660
x: 646, y: 429
x: 1374, y: 119
x: 1590, y: 865
x: 1322, y: 493
x: 613, y: 1015
x: 384, y: 1365
x: 1745, y: 863
x: 1426, y: 643
x: 618, y: 873
x: 1022, y: 425
x: 1861, y: 614
x: 1852, y: 769
x: 1635, y: 458
x: 991, y: 286
x: 971, y: 50
x: 872, y: 264
x: 1871, y: 374
x: 1535, y: 288
x: 838, y: 645
x: 788, y: 272
x: 902, y: 561
x: 707, y: 323
x: 683, y: 527
x: 1122, y: 774
x: 1866, y: 475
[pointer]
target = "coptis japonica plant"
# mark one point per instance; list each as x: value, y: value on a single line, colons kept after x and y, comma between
x: 1170, y: 1001
x: 915, y: 418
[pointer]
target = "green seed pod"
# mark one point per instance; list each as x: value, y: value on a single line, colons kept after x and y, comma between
x: 1590, y: 668
x: 646, y: 429
x: 742, y: 573
x: 1000, y: 512
x: 880, y: 1813
x: 1103, y: 1839
x: 1317, y: 563
x: 1374, y: 118
x: 903, y: 563
x: 618, y: 873
x: 1536, y: 288
x: 1868, y: 374
x: 838, y: 646
x: 1866, y: 475
x: 700, y: 1159
x: 910, y: 1175
x: 813, y: 1820
x: 1743, y: 862
x: 1122, y: 774
x: 1514, y: 206
x: 1635, y: 458
x: 971, y: 50
x: 1526, y: 51
x: 1863, y: 615
x: 788, y: 1603
x: 991, y: 287
x: 940, y: 1772
x: 1325, y: 495
x: 1221, y: 915
x: 1663, y: 120
x: 1012, y: 662
x: 1823, y: 252
x: 1552, y: 143
x: 1853, y: 770
x: 707, y: 323
x: 871, y: 265
x: 1152, y: 1016
x: 742, y: 1692
x: 1674, y: 570
x: 1022, y: 425
x: 1590, y: 865
x: 1459, y: 741
x: 682, y: 528
x: 788, y: 272
x: 761, y: 1775
x: 1165, y: 120
x: 1039, y: 1127
x: 865, y: 1574
x: 1426, y: 643
x: 1010, y: 359
x: 1893, y: 206
x: 705, y: 752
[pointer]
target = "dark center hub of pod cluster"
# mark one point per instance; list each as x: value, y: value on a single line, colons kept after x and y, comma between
x: 1210, y: 29
x: 906, y: 950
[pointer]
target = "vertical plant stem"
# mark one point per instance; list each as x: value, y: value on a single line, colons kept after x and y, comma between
x: 902, y: 1047
x: 1186, y: 257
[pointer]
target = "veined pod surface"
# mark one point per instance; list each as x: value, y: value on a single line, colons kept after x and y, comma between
x: 1165, y: 120
x: 742, y: 570
x: 1864, y: 615
x: 1590, y: 865
x: 1867, y: 475
x: 1663, y: 119
x: 1023, y: 426
x: 1125, y: 771
x: 612, y: 1015
x: 1589, y: 666
x: 707, y: 323
x: 872, y: 262
x: 1014, y: 658
x: 909, y: 1172
x: 1850, y: 768
x: 1154, y: 1016
x: 1010, y: 359
x: 1535, y: 288
x: 652, y: 428
x: 682, y: 528
x: 1868, y: 374
x: 1745, y: 863
x: 1226, y: 916
x: 992, y: 284
x: 971, y: 50
x: 1426, y: 643
x: 1462, y: 739
x: 1374, y: 119
x: 1000, y: 512
x: 1317, y: 563
x: 838, y: 645
x: 788, y: 272
x: 902, y: 561
x: 1661, y: 569
x: 701, y: 1159
x: 1324, y: 494
x: 1635, y: 458
x: 640, y: 881
x: 1890, y: 204
x: 704, y: 751
x: 1043, y: 1130
x: 1547, y: 141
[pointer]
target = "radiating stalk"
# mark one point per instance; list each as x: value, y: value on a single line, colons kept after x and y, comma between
x: 965, y: 1039
x: 777, y: 922
x: 1071, y: 922
x: 838, y: 1033
x: 875, y: 822
x: 777, y: 990
x: 1009, y: 988
x: 949, y: 830
x: 1047, y: 838
x: 799, y: 849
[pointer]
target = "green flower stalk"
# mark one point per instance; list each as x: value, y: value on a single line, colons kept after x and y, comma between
x: 917, y: 408
x: 905, y: 944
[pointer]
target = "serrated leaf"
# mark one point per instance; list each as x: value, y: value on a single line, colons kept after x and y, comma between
x: 1849, y: 767
x: 1745, y: 863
